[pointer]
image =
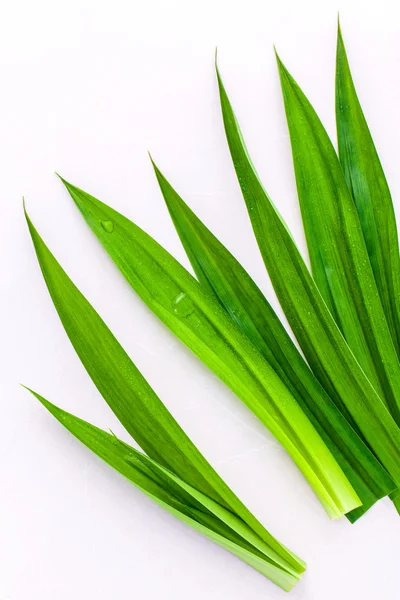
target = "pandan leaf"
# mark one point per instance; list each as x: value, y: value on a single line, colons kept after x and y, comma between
x: 183, y: 501
x: 118, y: 380
x: 337, y: 250
x: 130, y: 396
x: 324, y: 347
x: 198, y: 319
x: 339, y: 258
x: 219, y: 272
x: 136, y: 404
x: 367, y: 182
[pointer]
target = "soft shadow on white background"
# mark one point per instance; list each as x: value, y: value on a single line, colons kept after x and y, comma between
x: 87, y: 87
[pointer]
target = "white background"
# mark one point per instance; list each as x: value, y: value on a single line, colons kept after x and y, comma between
x: 86, y: 88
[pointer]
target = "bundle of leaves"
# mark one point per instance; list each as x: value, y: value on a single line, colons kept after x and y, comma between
x: 336, y: 407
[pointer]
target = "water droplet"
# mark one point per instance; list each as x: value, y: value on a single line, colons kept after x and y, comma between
x: 183, y: 305
x: 107, y: 226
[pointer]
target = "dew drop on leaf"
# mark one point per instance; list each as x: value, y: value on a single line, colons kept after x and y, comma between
x: 183, y: 305
x: 107, y: 226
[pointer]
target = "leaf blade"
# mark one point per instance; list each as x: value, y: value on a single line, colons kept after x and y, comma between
x: 322, y: 343
x: 367, y: 182
x: 161, y: 281
x: 140, y: 470
x: 150, y: 423
x: 339, y: 258
x: 223, y: 275
x: 130, y: 396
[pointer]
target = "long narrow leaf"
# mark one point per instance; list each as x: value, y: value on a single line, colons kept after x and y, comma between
x: 130, y: 396
x: 339, y: 258
x: 182, y: 500
x: 222, y: 275
x: 368, y: 185
x: 197, y: 318
x: 317, y: 333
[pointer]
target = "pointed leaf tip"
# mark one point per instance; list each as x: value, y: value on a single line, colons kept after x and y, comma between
x: 157, y: 171
x: 67, y: 184
x: 339, y: 33
x: 51, y: 407
x: 217, y: 68
x: 281, y: 67
x: 60, y: 177
x: 27, y: 218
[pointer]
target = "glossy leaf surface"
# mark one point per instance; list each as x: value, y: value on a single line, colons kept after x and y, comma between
x: 222, y: 275
x: 323, y: 345
x: 198, y: 319
x: 182, y: 500
x: 339, y: 259
x: 367, y: 182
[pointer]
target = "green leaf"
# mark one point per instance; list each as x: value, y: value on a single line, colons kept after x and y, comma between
x: 197, y: 318
x: 324, y: 347
x: 219, y: 272
x: 366, y: 180
x: 182, y: 500
x: 130, y: 396
x: 118, y: 380
x: 339, y: 258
